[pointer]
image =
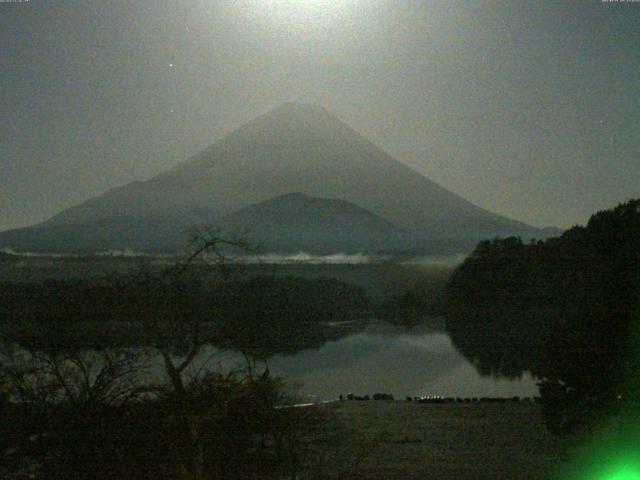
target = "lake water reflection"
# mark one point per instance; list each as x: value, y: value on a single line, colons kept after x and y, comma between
x: 390, y: 359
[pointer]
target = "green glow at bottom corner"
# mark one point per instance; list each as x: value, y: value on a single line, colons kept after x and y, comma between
x: 622, y: 471
x: 609, y: 452
x: 621, y: 463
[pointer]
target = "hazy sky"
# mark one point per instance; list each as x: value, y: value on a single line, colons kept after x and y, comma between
x: 530, y: 109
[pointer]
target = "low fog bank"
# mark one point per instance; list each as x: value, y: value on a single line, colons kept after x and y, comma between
x: 436, y: 261
x: 449, y: 261
x: 123, y: 253
x: 309, y: 258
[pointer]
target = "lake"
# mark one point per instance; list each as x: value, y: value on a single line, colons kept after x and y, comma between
x: 387, y: 359
x: 366, y: 358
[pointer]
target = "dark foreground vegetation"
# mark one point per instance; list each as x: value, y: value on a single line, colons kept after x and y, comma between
x: 109, y: 425
x: 566, y: 309
x: 147, y: 408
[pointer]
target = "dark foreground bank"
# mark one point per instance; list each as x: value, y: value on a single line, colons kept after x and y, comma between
x: 395, y: 439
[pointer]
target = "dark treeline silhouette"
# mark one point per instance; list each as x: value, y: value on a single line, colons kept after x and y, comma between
x: 566, y: 309
x: 413, y: 307
x: 267, y: 315
x: 262, y: 315
x: 5, y: 257
x: 420, y: 302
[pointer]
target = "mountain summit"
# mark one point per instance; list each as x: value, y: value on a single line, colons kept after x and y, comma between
x: 292, y: 148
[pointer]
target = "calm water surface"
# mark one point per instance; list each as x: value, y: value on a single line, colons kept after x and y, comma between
x: 385, y: 358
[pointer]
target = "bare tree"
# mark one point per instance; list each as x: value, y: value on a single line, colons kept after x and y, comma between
x: 206, y: 252
x: 198, y: 424
x: 108, y: 377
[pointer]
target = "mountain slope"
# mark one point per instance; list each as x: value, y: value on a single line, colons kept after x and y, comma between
x: 295, y: 222
x: 293, y: 148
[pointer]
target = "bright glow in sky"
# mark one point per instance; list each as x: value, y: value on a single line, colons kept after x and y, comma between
x: 528, y: 109
x: 300, y: 16
x: 302, y: 7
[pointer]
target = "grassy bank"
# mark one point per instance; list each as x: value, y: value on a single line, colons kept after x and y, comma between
x: 383, y: 440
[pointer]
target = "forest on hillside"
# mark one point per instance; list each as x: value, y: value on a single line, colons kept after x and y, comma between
x: 566, y: 309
